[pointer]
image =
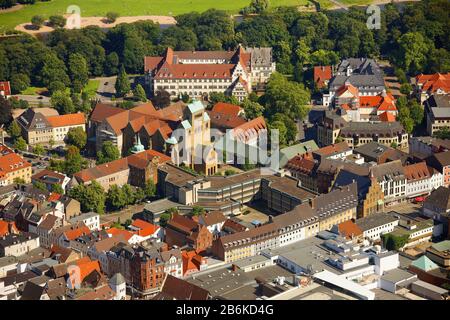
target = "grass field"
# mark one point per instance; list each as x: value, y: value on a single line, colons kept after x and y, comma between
x: 129, y: 8
x: 91, y: 87
x: 33, y: 90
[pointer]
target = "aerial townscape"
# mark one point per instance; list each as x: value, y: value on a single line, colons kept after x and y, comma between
x: 239, y: 150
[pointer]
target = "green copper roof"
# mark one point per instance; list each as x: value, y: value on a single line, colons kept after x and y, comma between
x: 441, y: 246
x: 138, y: 147
x: 289, y: 152
x: 196, y: 106
x: 172, y: 140
x: 206, y: 117
x: 186, y: 124
x: 424, y: 263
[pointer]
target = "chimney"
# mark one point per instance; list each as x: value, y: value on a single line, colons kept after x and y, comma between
x: 311, y: 203
x: 270, y: 218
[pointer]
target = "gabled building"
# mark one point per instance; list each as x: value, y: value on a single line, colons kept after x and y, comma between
x: 322, y: 75
x: 392, y: 180
x: 5, y: 89
x: 437, y: 112
x: 428, y: 84
x: 441, y: 162
x: 13, y: 167
x: 199, y: 73
x: 45, y: 128
x: 362, y: 73
x: 136, y: 170
x: 50, y: 178
x: 182, y: 231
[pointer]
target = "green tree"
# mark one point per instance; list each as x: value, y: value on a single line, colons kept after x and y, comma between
x: 112, y: 16
x: 57, y: 21
x: 52, y: 69
x: 412, y: 54
x: 139, y: 195
x: 56, y: 86
x: 405, y: 88
x: 62, y: 102
x: 129, y: 193
x: 150, y: 189
x: 74, y: 162
x: 5, y: 111
x: 39, y: 149
x: 122, y: 83
x: 19, y: 82
x: 57, y: 188
x: 139, y: 93
x: 14, y: 130
x: 112, y: 64
x: 40, y: 185
x: 19, y: 181
x: 77, y: 137
x: 91, y: 197
x: 283, y: 96
x: 37, y: 21
x: 416, y: 112
x: 252, y: 109
x: 78, y: 70
x: 20, y: 144
x: 108, y: 153
x: 282, y: 131
x: 166, y: 216
x: 115, y: 198
x: 197, y: 210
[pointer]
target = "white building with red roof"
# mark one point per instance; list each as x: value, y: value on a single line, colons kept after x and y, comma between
x: 199, y: 73
x: 5, y: 89
x: 428, y: 84
x: 12, y: 167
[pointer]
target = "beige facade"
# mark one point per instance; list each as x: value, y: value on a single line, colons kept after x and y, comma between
x: 328, y: 222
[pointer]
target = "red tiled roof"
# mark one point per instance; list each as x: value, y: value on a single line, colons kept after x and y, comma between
x: 322, y: 74
x: 387, y: 117
x: 251, y: 128
x: 119, y: 232
x: 139, y: 160
x: 349, y: 229
x: 5, y: 88
x: 72, y: 234
x: 417, y: 171
x: 67, y: 120
x: 433, y: 82
x: 227, y: 108
x: 223, y: 120
x: 333, y: 148
x: 304, y: 163
x: 53, y: 197
x: 103, y: 111
x: 182, y: 223
x: 347, y: 87
x: 10, y: 161
x: 145, y: 228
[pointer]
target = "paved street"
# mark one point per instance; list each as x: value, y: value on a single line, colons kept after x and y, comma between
x: 34, y: 100
x: 106, y: 88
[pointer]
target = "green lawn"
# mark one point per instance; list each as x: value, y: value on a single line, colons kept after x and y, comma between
x: 129, y: 8
x: 33, y: 90
x: 91, y: 87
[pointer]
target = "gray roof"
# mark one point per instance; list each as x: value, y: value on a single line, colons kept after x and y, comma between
x: 250, y: 261
x: 161, y: 205
x: 83, y: 216
x: 260, y: 56
x: 15, y: 238
x: 441, y: 112
x: 439, y: 198
x: 372, y: 149
x: 390, y: 170
x: 375, y: 220
x: 7, y: 261
x: 386, y: 129
x: 338, y: 200
x: 366, y: 75
x: 398, y: 275
x: 429, y: 286
x: 117, y: 279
